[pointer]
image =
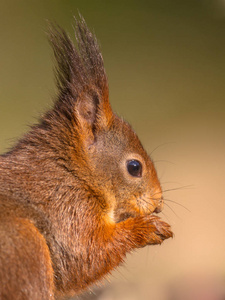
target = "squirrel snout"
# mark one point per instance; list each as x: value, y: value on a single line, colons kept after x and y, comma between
x: 157, y: 210
x: 159, y: 205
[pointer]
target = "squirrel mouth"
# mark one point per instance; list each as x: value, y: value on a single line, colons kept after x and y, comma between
x: 157, y: 210
x: 140, y: 207
x: 126, y: 215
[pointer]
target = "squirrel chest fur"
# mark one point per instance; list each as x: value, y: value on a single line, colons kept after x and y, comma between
x: 78, y: 191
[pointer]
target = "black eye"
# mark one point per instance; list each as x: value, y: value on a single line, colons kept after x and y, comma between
x: 134, y: 167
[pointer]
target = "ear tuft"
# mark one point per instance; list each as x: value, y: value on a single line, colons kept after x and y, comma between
x: 80, y: 75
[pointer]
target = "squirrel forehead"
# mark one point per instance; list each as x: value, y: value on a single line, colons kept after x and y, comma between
x: 120, y: 139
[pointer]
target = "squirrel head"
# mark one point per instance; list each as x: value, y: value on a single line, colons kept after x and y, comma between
x: 103, y: 152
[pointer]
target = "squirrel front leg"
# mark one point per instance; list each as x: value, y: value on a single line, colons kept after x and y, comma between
x: 112, y: 241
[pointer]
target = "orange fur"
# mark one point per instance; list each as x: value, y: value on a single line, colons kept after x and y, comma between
x: 69, y: 209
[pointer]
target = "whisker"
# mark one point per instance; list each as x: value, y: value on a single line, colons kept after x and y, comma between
x: 169, y: 200
x: 159, y: 146
x: 173, y: 189
x: 169, y: 182
x: 149, y: 203
x: 165, y: 215
x: 179, y: 188
x: 172, y: 210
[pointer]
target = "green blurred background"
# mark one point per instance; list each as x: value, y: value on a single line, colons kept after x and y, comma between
x: 166, y: 66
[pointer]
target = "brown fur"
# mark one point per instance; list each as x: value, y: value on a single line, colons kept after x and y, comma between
x: 69, y: 209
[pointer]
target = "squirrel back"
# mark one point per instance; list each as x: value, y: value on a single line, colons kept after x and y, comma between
x: 78, y: 191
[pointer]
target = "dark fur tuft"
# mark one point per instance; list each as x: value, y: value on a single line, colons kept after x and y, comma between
x: 79, y: 70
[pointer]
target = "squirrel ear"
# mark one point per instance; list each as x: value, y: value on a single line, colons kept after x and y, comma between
x: 93, y: 110
x: 81, y: 78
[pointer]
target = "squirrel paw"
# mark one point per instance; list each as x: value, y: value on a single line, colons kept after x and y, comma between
x: 149, y: 230
x: 161, y: 231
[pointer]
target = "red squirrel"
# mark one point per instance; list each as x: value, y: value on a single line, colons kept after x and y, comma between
x: 78, y: 191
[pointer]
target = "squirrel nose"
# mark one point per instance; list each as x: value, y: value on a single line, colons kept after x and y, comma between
x: 159, y: 206
x: 157, y: 210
